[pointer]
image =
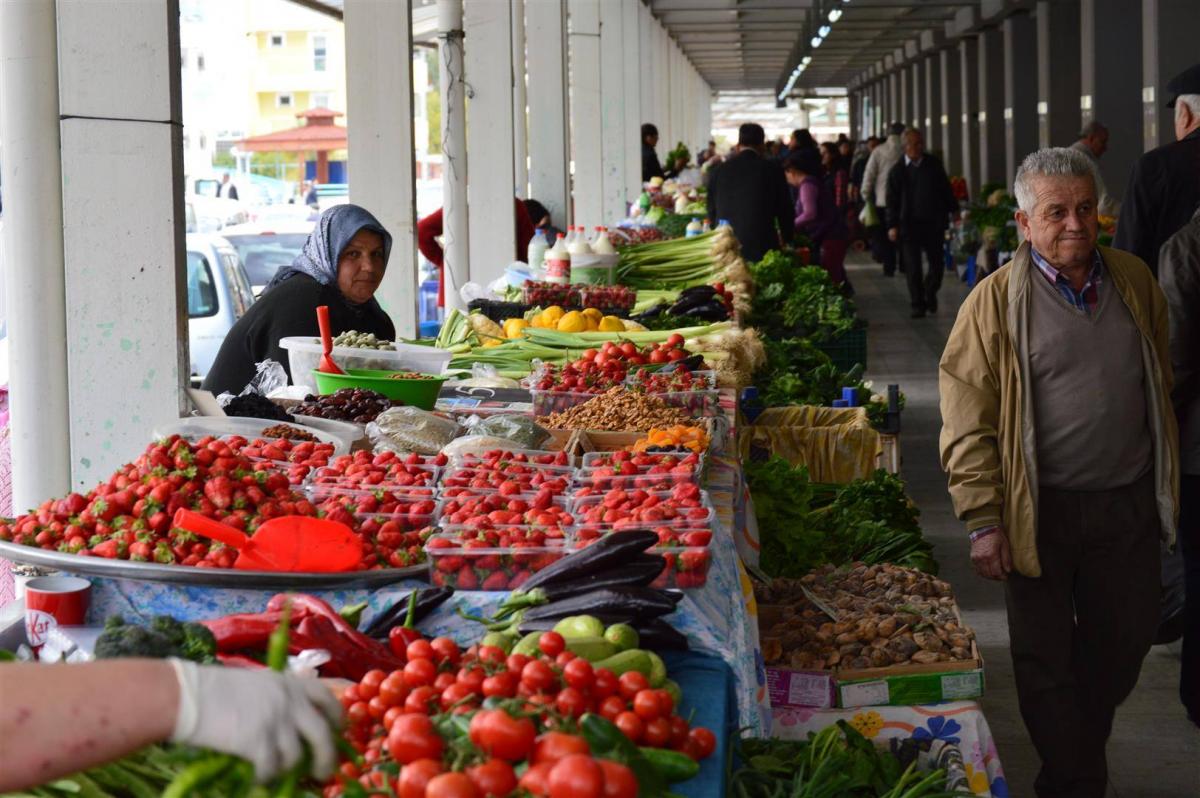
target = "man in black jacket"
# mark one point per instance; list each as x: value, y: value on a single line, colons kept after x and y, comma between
x: 1164, y: 187
x: 751, y: 193
x: 919, y: 204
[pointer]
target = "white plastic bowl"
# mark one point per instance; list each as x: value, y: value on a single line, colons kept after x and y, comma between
x: 305, y: 353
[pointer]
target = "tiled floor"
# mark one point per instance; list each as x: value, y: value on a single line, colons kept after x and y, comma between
x: 1154, y: 751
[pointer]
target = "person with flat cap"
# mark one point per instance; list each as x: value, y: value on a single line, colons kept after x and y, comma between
x: 1164, y: 187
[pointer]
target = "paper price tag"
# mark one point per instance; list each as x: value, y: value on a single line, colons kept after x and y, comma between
x: 961, y: 685
x: 865, y: 694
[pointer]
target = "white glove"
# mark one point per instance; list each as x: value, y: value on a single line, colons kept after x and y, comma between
x: 258, y: 715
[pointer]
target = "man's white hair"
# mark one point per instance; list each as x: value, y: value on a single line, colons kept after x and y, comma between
x: 1049, y: 162
x: 1192, y: 101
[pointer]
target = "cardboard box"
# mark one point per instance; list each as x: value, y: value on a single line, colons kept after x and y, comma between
x: 906, y: 685
x: 812, y: 689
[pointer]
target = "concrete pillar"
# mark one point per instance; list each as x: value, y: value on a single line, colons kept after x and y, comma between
x: 380, y: 140
x: 1058, y: 72
x: 933, y: 105
x: 905, y: 107
x: 649, y: 65
x: 520, y: 102
x: 881, y: 106
x: 991, y: 106
x: 549, y: 138
x: 587, y: 148
x: 631, y: 44
x: 968, y: 65
x: 1111, y: 83
x: 916, y: 72
x: 1020, y: 91
x: 615, y: 144
x: 123, y: 228
x: 952, y: 111
x: 456, y: 251
x: 1169, y: 30
x: 31, y: 247
x: 854, y: 109
x: 894, y: 109
x: 489, y: 73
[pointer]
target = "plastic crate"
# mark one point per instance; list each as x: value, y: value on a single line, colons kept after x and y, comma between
x: 847, y: 350
x: 486, y: 568
x: 480, y: 478
x: 476, y: 461
x: 499, y: 311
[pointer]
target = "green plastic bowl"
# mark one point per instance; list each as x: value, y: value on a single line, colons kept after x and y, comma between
x: 414, y: 393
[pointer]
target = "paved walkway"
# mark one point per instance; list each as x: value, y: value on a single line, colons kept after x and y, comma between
x: 1154, y: 751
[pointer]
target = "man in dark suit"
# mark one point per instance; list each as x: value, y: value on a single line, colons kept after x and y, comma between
x: 751, y: 193
x: 919, y: 204
x: 1164, y: 187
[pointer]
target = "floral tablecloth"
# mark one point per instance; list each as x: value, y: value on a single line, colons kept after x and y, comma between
x: 953, y: 736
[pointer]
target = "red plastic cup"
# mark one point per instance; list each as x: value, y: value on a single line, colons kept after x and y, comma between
x: 53, y: 601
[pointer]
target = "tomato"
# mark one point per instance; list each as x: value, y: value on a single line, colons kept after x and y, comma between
x: 454, y: 695
x: 413, y: 737
x: 350, y: 695
x: 666, y: 704
x: 619, y: 781
x: 421, y: 671
x: 444, y: 680
x: 679, y: 730
x: 368, y: 686
x: 612, y: 706
x: 689, y: 748
x: 503, y: 685
x: 706, y: 741
x: 551, y: 644
x: 629, y: 683
x: 419, y: 649
x: 674, y: 340
x: 392, y: 690
x: 537, y: 779
x: 539, y: 676
x: 358, y: 713
x: 494, y: 778
x: 570, y: 701
x: 420, y: 699
x: 376, y: 708
x: 500, y: 735
x: 647, y: 705
x: 445, y: 650
x: 630, y: 725
x: 578, y: 673
x: 564, y: 657
x: 390, y: 716
x: 604, y: 683
x: 491, y: 654
x: 576, y: 776
x: 472, y: 678
x: 415, y: 776
x: 451, y: 785
x: 553, y: 746
x: 515, y: 662
x: 657, y: 733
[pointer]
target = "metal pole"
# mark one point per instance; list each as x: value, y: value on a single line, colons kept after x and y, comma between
x: 32, y: 246
x: 520, y: 142
x: 454, y: 151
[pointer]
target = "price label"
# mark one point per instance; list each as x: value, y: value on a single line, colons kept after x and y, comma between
x: 865, y: 694
x: 961, y: 685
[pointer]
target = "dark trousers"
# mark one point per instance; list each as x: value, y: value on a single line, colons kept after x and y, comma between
x: 1189, y: 542
x: 883, y: 248
x: 1079, y: 632
x: 917, y: 241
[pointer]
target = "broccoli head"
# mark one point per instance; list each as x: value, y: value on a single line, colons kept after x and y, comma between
x: 165, y: 637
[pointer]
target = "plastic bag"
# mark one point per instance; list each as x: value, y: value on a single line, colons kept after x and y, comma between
x: 478, y: 444
x: 269, y: 376
x: 484, y: 375
x: 520, y: 429
x: 868, y: 215
x: 410, y: 429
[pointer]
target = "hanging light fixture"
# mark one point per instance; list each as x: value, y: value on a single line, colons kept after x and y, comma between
x: 816, y: 42
x: 835, y: 14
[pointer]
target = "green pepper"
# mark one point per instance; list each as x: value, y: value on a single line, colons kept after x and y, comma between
x: 672, y: 765
x: 601, y: 734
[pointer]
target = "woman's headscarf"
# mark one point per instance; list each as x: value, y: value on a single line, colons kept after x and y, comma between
x: 333, y: 231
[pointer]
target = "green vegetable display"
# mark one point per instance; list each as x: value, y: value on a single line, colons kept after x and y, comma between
x: 674, y: 225
x: 164, y: 637
x: 793, y: 301
x: 804, y: 524
x: 836, y: 762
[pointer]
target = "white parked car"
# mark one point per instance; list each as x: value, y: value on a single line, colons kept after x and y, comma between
x: 218, y: 293
x: 263, y: 247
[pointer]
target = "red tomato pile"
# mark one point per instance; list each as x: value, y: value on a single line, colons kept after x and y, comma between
x: 600, y: 369
x: 362, y: 469
x: 492, y: 510
x: 429, y: 719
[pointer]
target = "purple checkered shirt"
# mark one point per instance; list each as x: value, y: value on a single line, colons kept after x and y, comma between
x: 1086, y: 298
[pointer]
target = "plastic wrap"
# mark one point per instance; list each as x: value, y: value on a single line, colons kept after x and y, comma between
x: 484, y: 375
x: 515, y: 427
x: 478, y: 444
x: 410, y: 429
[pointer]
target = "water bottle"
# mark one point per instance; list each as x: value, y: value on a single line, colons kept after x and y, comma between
x: 537, y: 253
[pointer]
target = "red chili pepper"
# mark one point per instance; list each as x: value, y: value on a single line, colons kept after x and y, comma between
x: 399, y: 638
x: 351, y: 661
x: 318, y: 608
x: 239, y: 661
x: 248, y: 630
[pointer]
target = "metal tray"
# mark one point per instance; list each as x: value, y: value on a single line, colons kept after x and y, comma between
x: 210, y: 577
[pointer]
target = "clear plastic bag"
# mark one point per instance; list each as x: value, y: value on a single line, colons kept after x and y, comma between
x: 478, y: 444
x: 410, y: 429
x: 520, y: 429
x: 484, y: 375
x: 269, y: 376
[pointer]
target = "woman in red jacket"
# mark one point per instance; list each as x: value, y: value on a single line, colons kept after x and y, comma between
x: 430, y: 228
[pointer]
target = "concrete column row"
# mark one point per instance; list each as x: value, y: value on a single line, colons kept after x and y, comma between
x: 1034, y: 78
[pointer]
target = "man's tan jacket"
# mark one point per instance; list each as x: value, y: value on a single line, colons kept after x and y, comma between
x: 988, y: 440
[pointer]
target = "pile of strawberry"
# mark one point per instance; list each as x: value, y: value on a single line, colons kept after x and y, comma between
x: 392, y: 504
x: 454, y: 724
x: 509, y: 479
x: 622, y: 508
x: 364, y: 470
x: 300, y: 456
x: 487, y: 511
x: 625, y: 463
x: 680, y: 380
x: 476, y: 561
x: 501, y: 458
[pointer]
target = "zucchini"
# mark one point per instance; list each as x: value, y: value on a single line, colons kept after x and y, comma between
x: 632, y: 660
x: 580, y: 626
x: 658, y: 670
x: 672, y: 765
x: 613, y: 550
x: 528, y: 645
x: 593, y: 649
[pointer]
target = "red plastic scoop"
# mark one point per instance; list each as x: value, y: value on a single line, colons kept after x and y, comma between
x: 294, y: 543
x: 326, y: 365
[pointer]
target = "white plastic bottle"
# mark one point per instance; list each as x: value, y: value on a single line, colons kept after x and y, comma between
x: 694, y: 228
x: 558, y: 262
x: 537, y: 253
x: 602, y: 245
x: 579, y: 244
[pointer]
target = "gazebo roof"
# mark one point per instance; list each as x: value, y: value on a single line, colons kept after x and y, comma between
x: 317, y: 134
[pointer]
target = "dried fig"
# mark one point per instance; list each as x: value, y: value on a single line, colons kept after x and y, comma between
x: 925, y: 657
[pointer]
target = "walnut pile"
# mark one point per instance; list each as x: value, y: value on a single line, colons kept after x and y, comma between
x: 886, y: 615
x: 619, y: 410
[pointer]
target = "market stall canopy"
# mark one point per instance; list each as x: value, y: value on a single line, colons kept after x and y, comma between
x: 318, y: 134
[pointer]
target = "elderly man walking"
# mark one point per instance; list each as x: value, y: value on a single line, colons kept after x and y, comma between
x: 874, y: 190
x: 1061, y: 447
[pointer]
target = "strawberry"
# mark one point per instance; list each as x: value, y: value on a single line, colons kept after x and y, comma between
x: 219, y: 491
x: 466, y: 579
x: 107, y: 549
x: 498, y: 580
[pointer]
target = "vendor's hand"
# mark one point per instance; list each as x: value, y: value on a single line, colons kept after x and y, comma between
x: 991, y: 555
x: 262, y: 716
x: 894, y: 234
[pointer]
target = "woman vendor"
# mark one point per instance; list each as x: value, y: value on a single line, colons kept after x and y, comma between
x: 341, y: 265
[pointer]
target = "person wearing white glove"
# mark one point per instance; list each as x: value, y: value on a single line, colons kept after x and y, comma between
x: 60, y: 719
